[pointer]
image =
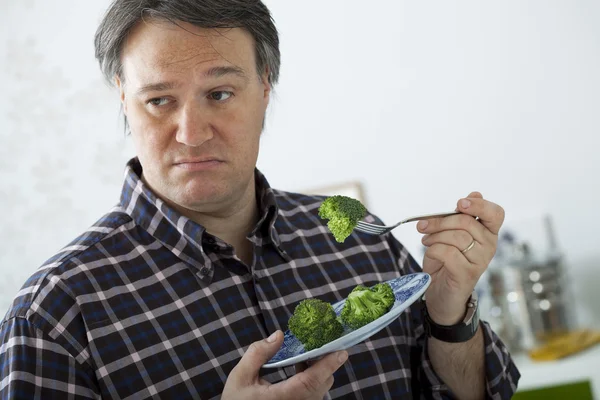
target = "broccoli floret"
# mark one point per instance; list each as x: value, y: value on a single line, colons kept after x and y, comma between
x: 343, y: 213
x: 365, y: 305
x: 315, y: 323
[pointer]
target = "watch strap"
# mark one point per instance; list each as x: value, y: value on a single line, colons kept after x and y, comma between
x: 460, y: 332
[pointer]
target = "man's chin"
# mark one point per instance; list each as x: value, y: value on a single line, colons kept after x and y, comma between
x: 202, y: 200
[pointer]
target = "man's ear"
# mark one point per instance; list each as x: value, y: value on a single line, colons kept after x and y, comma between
x: 267, y: 85
x: 121, y: 86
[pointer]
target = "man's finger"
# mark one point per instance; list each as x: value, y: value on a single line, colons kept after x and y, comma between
x: 300, y: 367
x: 314, y: 379
x: 462, y: 271
x: 474, y: 195
x: 457, y: 238
x: 256, y: 356
x: 491, y: 215
x: 462, y: 240
x: 457, y: 222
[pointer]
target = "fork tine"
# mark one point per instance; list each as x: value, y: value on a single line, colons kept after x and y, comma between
x: 369, y: 225
x: 370, y: 231
x: 370, y: 228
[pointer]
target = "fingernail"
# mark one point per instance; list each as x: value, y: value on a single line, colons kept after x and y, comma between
x: 272, y: 338
x: 342, y: 357
x: 422, y: 225
x: 424, y: 239
x: 464, y: 203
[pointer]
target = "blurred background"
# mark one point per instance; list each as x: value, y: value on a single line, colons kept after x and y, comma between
x: 416, y: 104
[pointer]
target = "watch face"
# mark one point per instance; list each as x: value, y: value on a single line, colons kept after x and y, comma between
x: 471, y: 312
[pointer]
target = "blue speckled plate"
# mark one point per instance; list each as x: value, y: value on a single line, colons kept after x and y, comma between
x: 407, y: 290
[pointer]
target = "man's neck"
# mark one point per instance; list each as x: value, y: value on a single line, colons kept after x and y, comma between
x: 232, y: 224
x: 234, y: 228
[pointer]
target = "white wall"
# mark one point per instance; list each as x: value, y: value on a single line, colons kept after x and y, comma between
x: 421, y: 101
x: 427, y: 101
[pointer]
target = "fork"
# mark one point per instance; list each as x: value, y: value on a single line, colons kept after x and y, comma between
x: 375, y: 229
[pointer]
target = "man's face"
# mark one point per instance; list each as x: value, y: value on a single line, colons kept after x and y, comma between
x: 195, y: 105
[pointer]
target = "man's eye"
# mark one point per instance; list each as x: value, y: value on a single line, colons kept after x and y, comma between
x: 157, y: 102
x: 220, y: 95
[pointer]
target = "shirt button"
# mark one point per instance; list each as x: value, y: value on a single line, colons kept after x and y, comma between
x: 204, y: 271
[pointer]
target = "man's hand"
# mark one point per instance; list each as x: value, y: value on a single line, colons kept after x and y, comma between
x: 309, y: 383
x: 460, y: 248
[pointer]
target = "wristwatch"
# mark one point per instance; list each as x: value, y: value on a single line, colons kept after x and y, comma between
x: 461, y: 332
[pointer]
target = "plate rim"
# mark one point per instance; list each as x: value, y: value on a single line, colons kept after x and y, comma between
x: 315, y: 353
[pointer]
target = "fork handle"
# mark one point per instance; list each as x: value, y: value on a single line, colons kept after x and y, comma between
x: 430, y: 216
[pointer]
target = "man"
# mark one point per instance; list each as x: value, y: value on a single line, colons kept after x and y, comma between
x: 173, y: 292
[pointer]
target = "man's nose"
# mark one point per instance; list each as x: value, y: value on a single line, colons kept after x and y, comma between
x: 194, y: 127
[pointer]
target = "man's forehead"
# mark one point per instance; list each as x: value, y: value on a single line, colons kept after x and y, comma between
x: 163, y: 46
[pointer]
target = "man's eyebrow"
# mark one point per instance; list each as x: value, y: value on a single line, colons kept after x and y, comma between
x: 155, y: 87
x: 215, y: 72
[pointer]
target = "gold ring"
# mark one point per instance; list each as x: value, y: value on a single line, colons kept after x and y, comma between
x: 470, y: 247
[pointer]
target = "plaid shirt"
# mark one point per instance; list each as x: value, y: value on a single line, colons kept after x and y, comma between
x: 147, y: 304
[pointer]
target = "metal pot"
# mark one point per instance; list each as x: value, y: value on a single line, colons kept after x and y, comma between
x: 530, y: 300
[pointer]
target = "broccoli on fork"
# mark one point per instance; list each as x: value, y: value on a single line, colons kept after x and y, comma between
x: 343, y: 213
x: 365, y: 305
x: 315, y: 323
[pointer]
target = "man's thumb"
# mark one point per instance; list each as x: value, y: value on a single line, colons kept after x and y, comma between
x: 258, y: 354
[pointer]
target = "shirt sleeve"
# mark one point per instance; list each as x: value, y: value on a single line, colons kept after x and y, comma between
x: 34, y: 366
x: 501, y: 374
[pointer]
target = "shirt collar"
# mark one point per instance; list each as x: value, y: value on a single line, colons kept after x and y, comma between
x: 268, y: 209
x: 179, y: 233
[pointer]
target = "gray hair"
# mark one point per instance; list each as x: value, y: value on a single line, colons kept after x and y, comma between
x: 250, y: 15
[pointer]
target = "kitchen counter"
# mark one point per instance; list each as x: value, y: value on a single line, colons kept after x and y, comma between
x: 584, y: 366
